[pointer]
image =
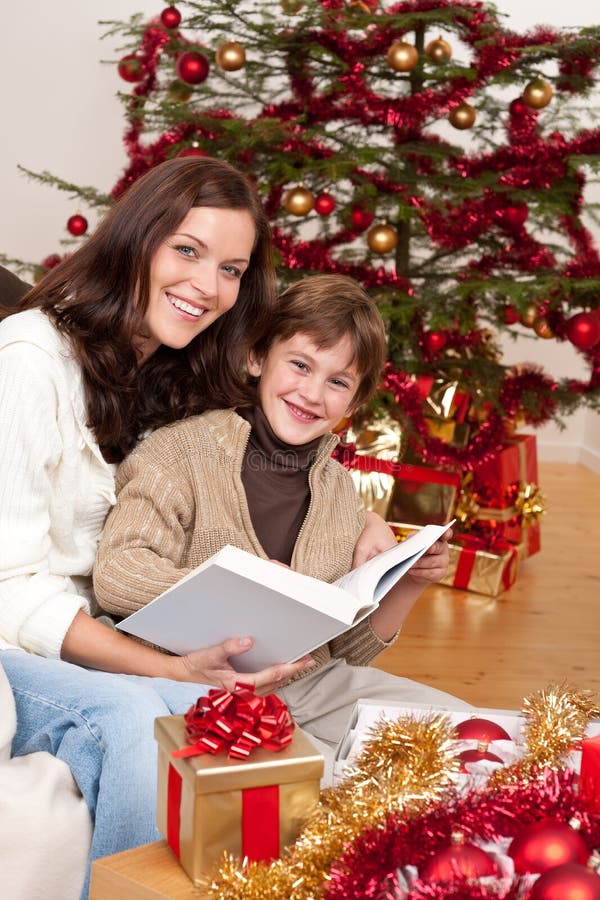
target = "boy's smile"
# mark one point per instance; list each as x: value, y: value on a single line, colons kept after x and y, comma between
x: 305, y: 390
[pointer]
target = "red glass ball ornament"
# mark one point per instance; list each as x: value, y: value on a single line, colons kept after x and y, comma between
x: 191, y: 151
x: 568, y: 882
x: 510, y: 315
x: 434, y: 341
x: 51, y: 261
x: 77, y: 225
x: 514, y: 216
x: 481, y: 730
x: 583, y: 330
x: 132, y: 68
x: 192, y: 67
x: 480, y: 754
x: 546, y: 844
x: 460, y: 860
x: 324, y: 203
x: 519, y: 108
x: 170, y: 17
x: 361, y: 218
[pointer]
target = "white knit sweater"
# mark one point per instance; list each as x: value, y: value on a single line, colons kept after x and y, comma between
x: 55, y: 487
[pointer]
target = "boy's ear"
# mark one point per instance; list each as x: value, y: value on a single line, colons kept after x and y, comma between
x: 254, y: 364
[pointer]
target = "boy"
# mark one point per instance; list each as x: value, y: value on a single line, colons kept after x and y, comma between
x: 262, y: 478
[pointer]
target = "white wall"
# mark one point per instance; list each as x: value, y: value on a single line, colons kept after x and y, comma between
x: 60, y: 113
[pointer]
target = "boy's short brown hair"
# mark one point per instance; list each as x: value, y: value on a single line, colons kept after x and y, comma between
x: 328, y: 307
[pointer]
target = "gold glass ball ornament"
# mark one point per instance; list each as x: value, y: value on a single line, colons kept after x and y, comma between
x: 529, y: 315
x: 382, y: 238
x: 438, y: 51
x: 291, y: 7
x: 298, y: 201
x: 537, y: 94
x: 402, y: 57
x: 230, y: 56
x: 462, y: 116
x: 179, y: 91
x: 542, y: 328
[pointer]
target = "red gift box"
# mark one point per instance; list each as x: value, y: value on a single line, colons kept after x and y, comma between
x: 516, y: 464
x: 589, y: 774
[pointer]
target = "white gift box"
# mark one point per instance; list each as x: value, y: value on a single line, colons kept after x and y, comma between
x: 369, y: 713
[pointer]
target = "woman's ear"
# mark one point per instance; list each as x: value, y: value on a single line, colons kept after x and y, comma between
x: 254, y: 364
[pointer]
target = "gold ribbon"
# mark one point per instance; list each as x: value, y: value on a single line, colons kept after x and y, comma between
x: 529, y: 507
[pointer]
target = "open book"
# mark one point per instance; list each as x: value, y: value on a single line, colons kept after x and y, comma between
x: 234, y: 594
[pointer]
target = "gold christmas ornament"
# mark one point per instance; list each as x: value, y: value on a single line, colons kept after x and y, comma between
x: 179, y: 91
x: 402, y: 57
x: 529, y: 315
x: 230, y: 56
x: 291, y: 6
x: 462, y: 116
x: 298, y: 201
x: 438, y: 51
x: 382, y: 238
x: 541, y: 328
x: 537, y: 94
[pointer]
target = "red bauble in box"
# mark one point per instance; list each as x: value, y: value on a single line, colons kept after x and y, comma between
x: 568, y: 882
x: 460, y: 860
x: 170, y: 17
x: 132, y: 68
x: 77, y: 225
x: 192, y: 67
x: 546, y: 844
x: 478, y: 755
x: 481, y: 730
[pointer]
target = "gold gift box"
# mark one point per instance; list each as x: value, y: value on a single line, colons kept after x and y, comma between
x: 202, y: 818
x: 482, y: 571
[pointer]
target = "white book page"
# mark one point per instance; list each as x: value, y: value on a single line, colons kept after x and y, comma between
x: 374, y: 578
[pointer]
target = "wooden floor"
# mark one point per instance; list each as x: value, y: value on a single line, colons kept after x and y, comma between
x: 545, y: 629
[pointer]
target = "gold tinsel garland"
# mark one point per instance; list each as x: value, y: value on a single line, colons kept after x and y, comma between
x: 406, y: 765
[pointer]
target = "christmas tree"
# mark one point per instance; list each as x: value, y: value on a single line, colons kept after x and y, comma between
x: 421, y: 147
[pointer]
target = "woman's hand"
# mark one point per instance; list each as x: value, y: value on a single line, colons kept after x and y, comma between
x: 212, y: 666
x: 375, y: 537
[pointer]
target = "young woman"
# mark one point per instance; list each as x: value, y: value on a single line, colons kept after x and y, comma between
x: 148, y: 322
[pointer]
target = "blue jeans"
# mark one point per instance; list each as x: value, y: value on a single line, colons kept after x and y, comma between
x: 102, y: 726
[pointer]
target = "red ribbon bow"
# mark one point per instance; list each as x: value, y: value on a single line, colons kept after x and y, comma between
x: 239, y: 721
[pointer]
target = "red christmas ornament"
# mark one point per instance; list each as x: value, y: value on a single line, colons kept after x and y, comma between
x: 434, y: 341
x: 132, y: 68
x: 51, y: 262
x: 478, y: 755
x: 568, y: 882
x: 510, y: 315
x: 460, y: 860
x: 482, y: 730
x: 583, y: 330
x: 192, y: 67
x: 361, y: 218
x: 514, y: 216
x: 77, y: 225
x: 324, y: 203
x: 191, y: 151
x: 546, y: 844
x: 170, y: 17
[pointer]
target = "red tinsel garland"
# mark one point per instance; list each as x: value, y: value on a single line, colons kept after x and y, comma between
x: 368, y: 867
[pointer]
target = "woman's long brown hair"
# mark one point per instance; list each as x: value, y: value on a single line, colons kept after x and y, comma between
x: 98, y: 296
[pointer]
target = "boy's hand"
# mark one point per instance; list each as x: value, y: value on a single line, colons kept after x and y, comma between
x: 433, y: 565
x: 375, y: 537
x: 211, y: 666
